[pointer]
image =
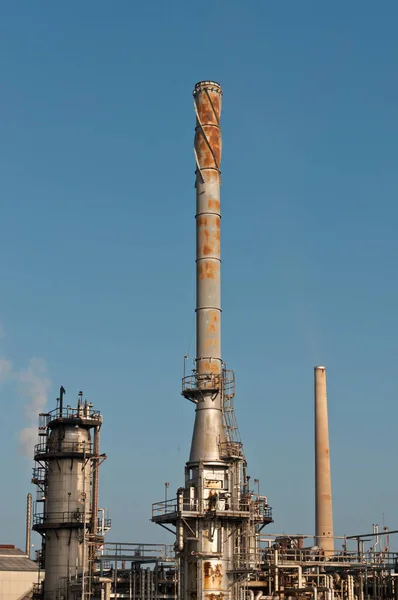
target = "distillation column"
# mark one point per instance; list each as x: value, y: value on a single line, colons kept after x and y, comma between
x: 323, y: 483
x: 66, y: 522
x: 216, y: 515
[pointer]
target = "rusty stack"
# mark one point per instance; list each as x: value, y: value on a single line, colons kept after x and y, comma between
x: 216, y: 515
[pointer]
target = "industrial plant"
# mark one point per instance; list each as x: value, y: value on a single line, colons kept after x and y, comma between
x: 217, y: 520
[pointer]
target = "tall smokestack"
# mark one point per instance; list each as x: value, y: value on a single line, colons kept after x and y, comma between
x: 28, y: 523
x: 323, y: 484
x: 217, y: 518
x: 208, y: 429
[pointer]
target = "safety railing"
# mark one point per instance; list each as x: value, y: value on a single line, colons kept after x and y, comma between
x: 67, y: 412
x: 75, y: 516
x: 257, y: 507
x: 231, y: 450
x: 280, y: 556
x: 228, y: 384
x: 196, y: 382
x: 167, y: 507
x: 201, y: 381
x: 104, y: 524
x: 39, y: 476
x: 247, y: 560
x: 59, y: 446
x: 124, y: 551
x: 37, y: 591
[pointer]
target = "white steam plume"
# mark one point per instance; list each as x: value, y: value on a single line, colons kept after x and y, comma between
x: 33, y: 384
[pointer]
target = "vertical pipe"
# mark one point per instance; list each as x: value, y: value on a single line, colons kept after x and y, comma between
x: 84, y: 525
x: 148, y: 583
x: 28, y: 523
x: 323, y: 484
x: 94, y: 504
x: 208, y: 428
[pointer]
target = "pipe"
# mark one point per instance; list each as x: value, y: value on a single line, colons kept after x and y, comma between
x: 208, y: 429
x: 376, y: 534
x: 84, y: 526
x: 62, y: 391
x: 28, y: 524
x: 94, y: 503
x: 323, y: 483
x: 311, y: 588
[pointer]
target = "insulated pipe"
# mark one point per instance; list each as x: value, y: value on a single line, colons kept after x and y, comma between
x: 323, y: 484
x: 28, y: 523
x: 208, y: 430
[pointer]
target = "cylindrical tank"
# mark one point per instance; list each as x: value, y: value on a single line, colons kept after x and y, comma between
x: 68, y: 505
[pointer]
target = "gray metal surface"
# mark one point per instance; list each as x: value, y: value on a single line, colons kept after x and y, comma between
x: 68, y: 481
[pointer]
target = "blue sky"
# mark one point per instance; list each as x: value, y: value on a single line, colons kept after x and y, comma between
x: 97, y: 241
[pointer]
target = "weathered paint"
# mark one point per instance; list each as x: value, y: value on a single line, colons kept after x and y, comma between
x: 208, y: 429
x: 212, y: 576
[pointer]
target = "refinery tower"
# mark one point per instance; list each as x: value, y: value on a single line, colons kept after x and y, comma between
x: 216, y: 515
x: 66, y: 508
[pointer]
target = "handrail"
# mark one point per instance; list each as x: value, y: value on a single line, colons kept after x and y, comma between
x: 74, y: 516
x: 257, y: 507
x: 59, y: 446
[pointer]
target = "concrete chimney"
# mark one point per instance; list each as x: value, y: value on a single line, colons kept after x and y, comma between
x: 323, y: 483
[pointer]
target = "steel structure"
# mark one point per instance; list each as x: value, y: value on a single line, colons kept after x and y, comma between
x: 290, y: 570
x: 216, y: 515
x: 139, y: 571
x: 66, y: 508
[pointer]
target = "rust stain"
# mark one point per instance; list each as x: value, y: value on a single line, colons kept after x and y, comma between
x: 208, y: 232
x: 207, y: 568
x: 212, y: 577
x: 202, y: 221
x: 209, y: 110
x: 208, y: 270
x: 213, y: 322
x: 214, y: 205
x: 210, y: 367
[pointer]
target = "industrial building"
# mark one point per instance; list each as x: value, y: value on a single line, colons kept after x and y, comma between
x: 219, y: 547
x: 18, y: 574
